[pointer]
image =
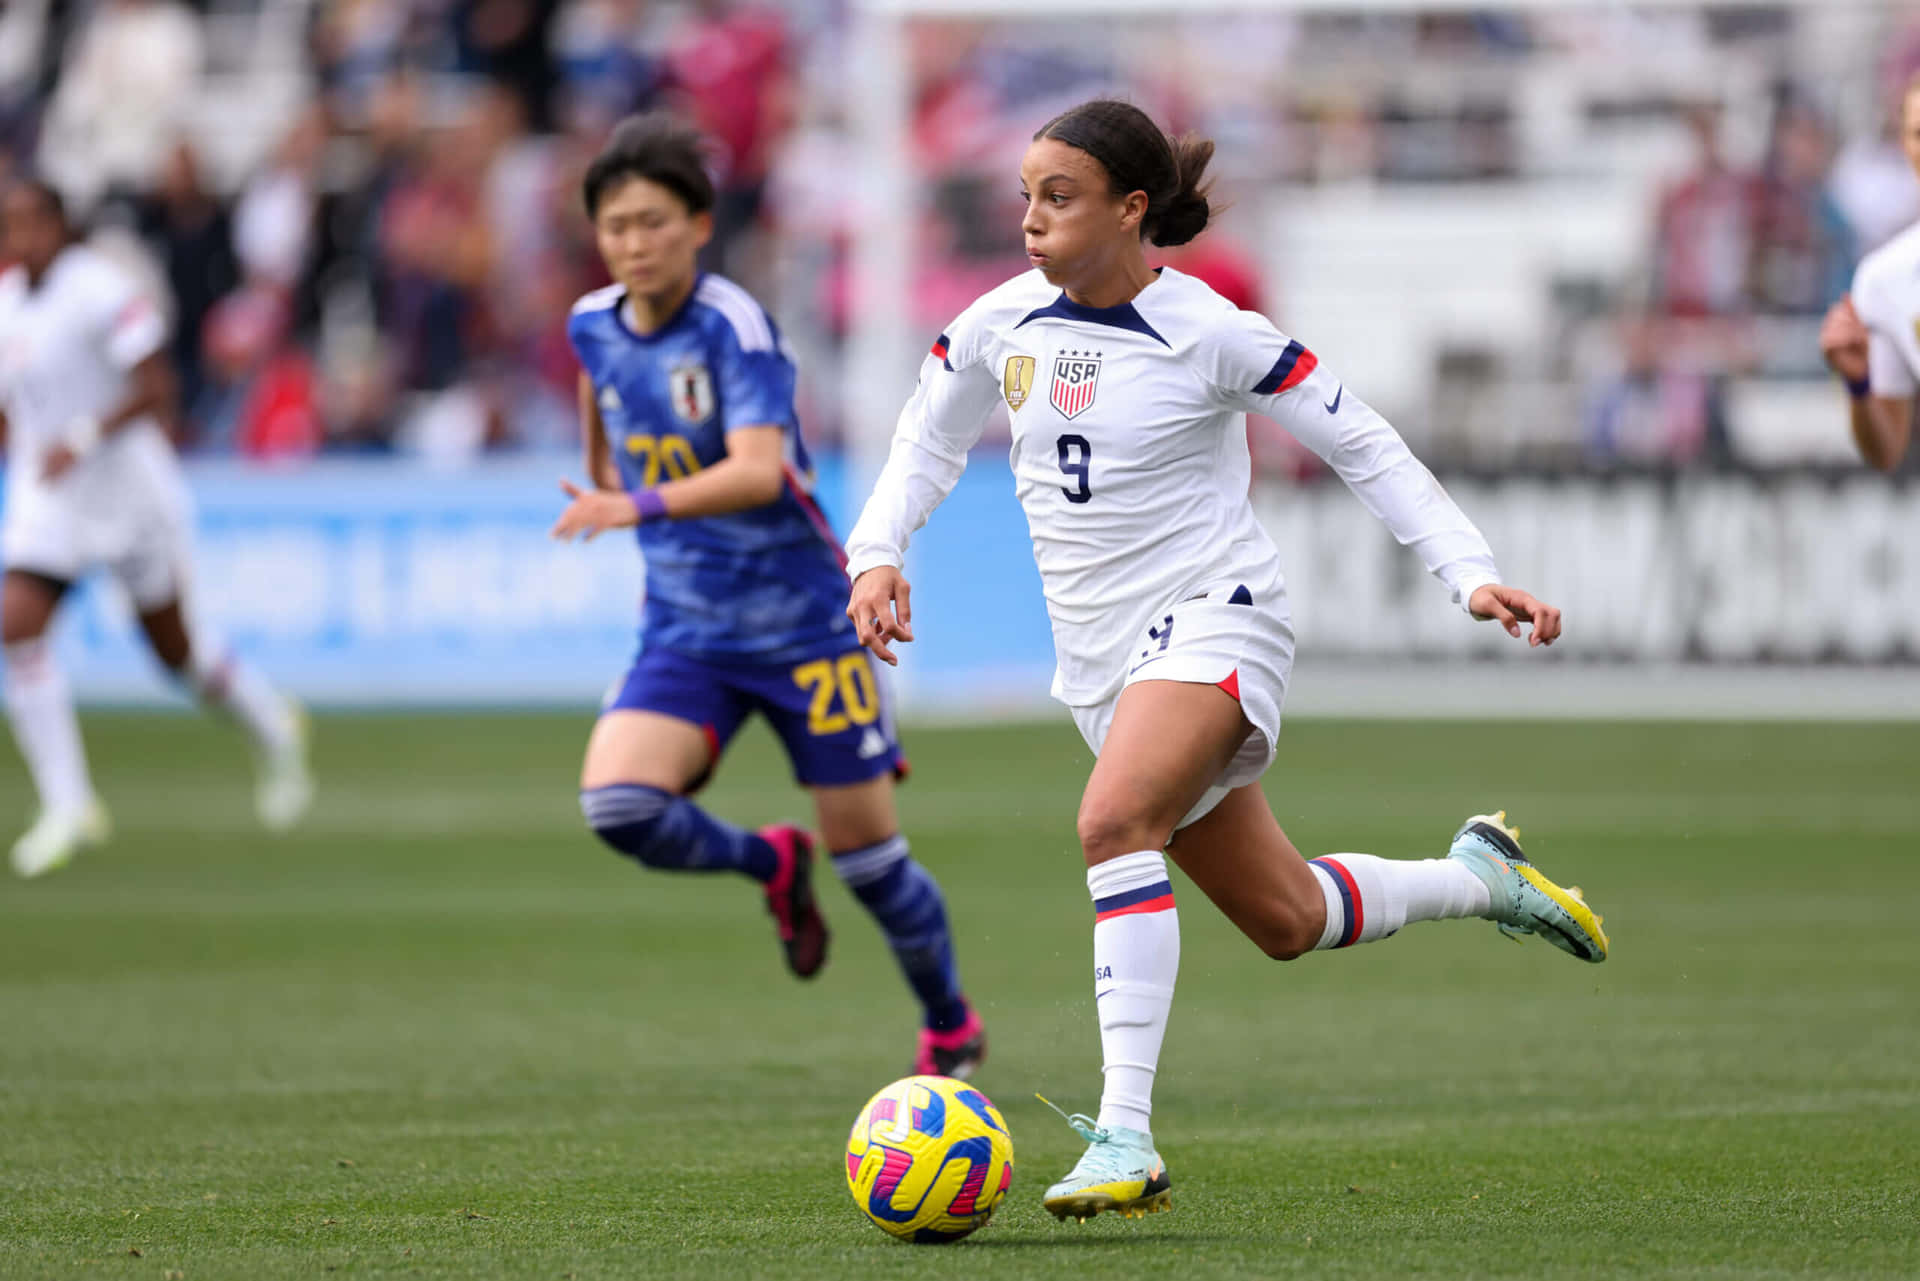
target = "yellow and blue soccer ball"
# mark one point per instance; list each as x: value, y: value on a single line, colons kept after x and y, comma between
x: 929, y: 1159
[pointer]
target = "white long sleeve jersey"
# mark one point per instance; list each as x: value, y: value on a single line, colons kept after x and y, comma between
x: 1130, y: 457
x: 1886, y: 293
x: 66, y: 349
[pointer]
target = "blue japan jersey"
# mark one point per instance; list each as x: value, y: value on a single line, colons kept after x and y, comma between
x: 765, y: 585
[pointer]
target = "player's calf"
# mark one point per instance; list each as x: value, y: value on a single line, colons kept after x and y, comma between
x: 39, y: 707
x: 670, y: 833
x: 905, y: 901
x: 1285, y: 929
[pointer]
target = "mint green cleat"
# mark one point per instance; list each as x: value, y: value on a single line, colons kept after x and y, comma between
x: 1524, y: 901
x: 1119, y: 1171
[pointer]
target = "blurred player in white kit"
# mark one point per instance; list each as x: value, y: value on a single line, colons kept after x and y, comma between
x: 92, y: 483
x: 1871, y: 338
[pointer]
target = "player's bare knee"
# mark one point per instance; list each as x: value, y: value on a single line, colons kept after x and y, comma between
x: 1108, y: 829
x: 23, y: 617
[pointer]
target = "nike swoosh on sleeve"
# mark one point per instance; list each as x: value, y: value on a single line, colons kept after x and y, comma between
x: 1335, y: 405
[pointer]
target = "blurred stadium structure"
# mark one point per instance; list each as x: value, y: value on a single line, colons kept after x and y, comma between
x: 1577, y: 252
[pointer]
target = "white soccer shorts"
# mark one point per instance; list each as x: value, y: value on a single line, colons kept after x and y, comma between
x: 136, y: 523
x: 1230, y: 638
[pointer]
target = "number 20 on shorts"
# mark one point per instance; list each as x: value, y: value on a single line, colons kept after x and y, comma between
x: 851, y: 678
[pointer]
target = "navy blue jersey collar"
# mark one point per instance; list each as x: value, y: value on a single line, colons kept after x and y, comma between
x: 672, y: 322
x: 1124, y: 316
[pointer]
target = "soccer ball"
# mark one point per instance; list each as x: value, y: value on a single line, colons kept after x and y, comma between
x: 929, y: 1158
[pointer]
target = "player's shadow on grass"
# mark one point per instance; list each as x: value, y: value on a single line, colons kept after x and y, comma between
x: 1082, y: 1240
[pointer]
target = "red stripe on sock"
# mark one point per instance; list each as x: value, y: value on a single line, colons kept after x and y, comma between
x: 1349, y: 935
x: 1162, y: 904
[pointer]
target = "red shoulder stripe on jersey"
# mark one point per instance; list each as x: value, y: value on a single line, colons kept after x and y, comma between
x: 1288, y: 372
x: 940, y: 350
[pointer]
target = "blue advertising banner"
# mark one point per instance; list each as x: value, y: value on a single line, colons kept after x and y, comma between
x: 375, y: 581
x: 372, y: 581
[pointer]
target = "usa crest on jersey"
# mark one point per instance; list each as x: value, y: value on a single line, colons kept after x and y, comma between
x: 690, y: 389
x: 1075, y: 375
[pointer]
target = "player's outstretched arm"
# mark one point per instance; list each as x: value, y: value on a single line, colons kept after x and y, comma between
x: 152, y: 392
x: 592, y: 512
x: 1509, y: 607
x: 751, y: 475
x: 881, y: 609
x: 1882, y: 425
x: 1260, y: 370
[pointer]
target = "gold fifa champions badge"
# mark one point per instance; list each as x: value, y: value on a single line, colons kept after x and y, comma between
x: 1018, y: 381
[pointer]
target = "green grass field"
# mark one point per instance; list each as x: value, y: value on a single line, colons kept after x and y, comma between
x: 441, y: 1033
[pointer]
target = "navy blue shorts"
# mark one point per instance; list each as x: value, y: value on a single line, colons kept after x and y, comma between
x: 832, y: 714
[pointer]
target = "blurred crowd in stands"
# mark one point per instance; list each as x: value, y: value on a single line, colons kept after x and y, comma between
x: 370, y: 231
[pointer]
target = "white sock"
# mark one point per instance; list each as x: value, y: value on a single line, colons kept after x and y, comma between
x: 41, y: 708
x: 1370, y: 898
x: 1136, y: 957
x: 223, y: 682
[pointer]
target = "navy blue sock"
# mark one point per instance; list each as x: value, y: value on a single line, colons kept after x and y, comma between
x: 670, y: 832
x: 905, y: 900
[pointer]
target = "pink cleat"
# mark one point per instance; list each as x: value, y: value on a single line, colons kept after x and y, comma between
x: 957, y: 1053
x: 803, y: 931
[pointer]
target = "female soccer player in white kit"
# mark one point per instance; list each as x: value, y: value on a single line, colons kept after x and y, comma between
x: 1871, y: 338
x: 92, y: 482
x: 1126, y: 388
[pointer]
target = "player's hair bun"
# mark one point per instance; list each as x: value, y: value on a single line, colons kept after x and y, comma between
x: 1138, y: 156
x: 1186, y: 213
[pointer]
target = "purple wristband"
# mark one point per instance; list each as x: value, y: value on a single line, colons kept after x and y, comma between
x: 1858, y: 388
x: 649, y: 504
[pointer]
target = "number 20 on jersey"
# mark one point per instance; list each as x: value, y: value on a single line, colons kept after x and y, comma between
x: 662, y: 458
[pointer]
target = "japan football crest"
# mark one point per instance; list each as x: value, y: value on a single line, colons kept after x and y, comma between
x: 690, y: 388
x: 1075, y: 374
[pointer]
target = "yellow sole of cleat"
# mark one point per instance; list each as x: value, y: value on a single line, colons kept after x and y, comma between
x: 1574, y: 904
x: 1085, y: 1205
x: 1570, y: 899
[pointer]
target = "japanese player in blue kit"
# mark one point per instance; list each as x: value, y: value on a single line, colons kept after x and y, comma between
x: 686, y: 408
